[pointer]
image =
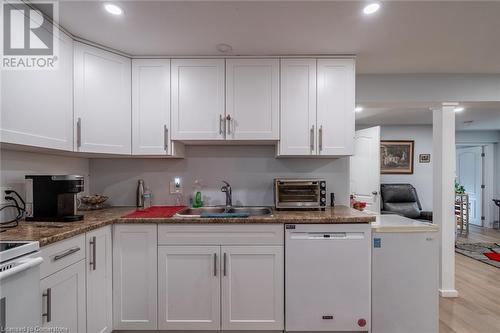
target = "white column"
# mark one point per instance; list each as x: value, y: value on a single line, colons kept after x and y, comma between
x: 443, y: 147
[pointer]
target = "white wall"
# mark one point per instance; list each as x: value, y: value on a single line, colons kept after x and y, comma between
x: 422, y: 172
x: 475, y: 137
x: 14, y: 165
x: 422, y: 176
x: 497, y: 178
x: 249, y: 169
x: 427, y: 87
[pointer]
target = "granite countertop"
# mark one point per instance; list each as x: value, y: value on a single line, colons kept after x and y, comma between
x: 50, y: 232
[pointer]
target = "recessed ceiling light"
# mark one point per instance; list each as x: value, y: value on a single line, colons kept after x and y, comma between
x: 224, y: 48
x: 371, y: 8
x: 113, y: 9
x: 459, y: 109
x: 358, y: 108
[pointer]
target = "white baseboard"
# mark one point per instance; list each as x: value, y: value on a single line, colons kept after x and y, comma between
x: 448, y: 293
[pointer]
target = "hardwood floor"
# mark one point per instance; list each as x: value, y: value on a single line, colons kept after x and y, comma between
x: 477, y: 309
x: 479, y: 234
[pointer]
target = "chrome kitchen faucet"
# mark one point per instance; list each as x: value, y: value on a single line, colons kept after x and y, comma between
x: 229, y: 193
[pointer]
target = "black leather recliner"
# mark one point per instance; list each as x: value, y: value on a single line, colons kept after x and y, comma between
x: 402, y: 199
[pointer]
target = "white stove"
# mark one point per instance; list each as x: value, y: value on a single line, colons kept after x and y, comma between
x: 14, y: 249
x: 20, y: 280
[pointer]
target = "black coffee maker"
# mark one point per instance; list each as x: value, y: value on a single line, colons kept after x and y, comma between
x: 52, y: 198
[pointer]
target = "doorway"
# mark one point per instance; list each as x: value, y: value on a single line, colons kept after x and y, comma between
x: 470, y: 174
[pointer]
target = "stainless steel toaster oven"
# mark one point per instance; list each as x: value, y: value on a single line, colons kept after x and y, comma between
x: 299, y: 193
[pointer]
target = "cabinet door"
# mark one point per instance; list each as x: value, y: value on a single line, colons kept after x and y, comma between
x: 335, y: 106
x: 150, y: 106
x: 252, y: 287
x: 416, y: 280
x: 134, y: 276
x: 198, y: 99
x: 252, y: 100
x: 189, y: 287
x: 99, y: 281
x: 102, y: 101
x: 298, y: 107
x: 37, y: 105
x: 63, y: 299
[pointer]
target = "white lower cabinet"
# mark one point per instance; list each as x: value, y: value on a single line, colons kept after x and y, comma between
x: 99, y: 281
x: 134, y: 276
x: 189, y: 287
x: 252, y: 287
x: 228, y: 278
x: 63, y: 299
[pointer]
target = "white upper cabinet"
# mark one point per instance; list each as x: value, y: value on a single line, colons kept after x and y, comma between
x: 298, y: 107
x: 102, y: 101
x: 252, y: 99
x: 336, y: 102
x: 197, y: 99
x: 317, y: 107
x: 37, y: 105
x: 151, y: 107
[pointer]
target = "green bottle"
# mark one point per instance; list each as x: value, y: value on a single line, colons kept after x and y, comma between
x: 197, y: 200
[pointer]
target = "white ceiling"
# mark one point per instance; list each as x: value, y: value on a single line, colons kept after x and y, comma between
x: 476, y: 116
x: 403, y: 37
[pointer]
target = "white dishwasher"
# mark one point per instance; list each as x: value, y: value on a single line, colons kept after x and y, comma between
x: 327, y: 277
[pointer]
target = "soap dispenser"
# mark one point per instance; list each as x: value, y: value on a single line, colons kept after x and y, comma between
x: 197, y: 199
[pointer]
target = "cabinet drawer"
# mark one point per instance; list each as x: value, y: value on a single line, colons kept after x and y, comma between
x: 214, y: 234
x: 62, y: 254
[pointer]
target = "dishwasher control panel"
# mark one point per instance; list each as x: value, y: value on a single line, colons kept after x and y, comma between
x: 327, y: 235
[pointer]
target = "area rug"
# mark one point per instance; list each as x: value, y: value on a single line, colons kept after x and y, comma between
x: 478, y: 251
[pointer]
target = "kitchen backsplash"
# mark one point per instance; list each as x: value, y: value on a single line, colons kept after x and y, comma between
x: 249, y: 169
x: 16, y: 164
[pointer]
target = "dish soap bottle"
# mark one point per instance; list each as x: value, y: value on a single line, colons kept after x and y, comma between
x: 197, y: 201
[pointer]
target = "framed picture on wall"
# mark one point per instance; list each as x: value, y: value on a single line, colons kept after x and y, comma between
x: 424, y: 158
x: 396, y: 156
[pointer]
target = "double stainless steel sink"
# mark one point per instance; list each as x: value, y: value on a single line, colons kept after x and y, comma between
x: 250, y: 210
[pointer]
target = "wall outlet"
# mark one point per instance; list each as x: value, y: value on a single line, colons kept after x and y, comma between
x: 2, y: 194
x: 176, y: 186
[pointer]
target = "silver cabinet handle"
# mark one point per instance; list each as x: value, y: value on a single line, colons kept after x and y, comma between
x: 320, y: 140
x: 3, y: 315
x: 311, y: 138
x: 93, y: 244
x: 228, y: 120
x: 221, y: 132
x: 66, y: 253
x: 215, y: 264
x: 48, y: 314
x: 224, y: 269
x: 79, y: 132
x: 165, y: 138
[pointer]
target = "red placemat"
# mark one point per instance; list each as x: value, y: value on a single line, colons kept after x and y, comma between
x: 155, y: 211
